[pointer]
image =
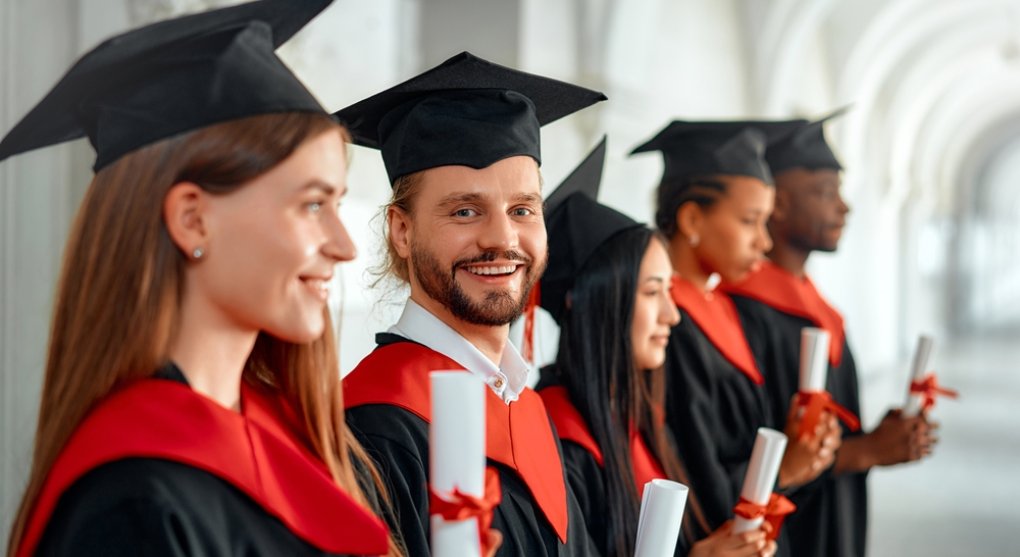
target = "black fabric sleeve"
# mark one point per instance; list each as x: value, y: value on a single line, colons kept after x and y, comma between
x: 586, y: 479
x: 393, y: 439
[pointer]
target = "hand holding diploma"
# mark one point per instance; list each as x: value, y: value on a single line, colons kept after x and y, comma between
x: 758, y: 503
x: 924, y: 386
x: 811, y: 425
x: 813, y: 399
x: 907, y: 435
x: 902, y: 435
x: 725, y: 543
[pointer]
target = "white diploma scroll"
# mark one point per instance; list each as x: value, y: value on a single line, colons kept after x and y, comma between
x: 918, y: 369
x: 457, y: 455
x: 662, y: 510
x: 814, y: 359
x: 761, y: 475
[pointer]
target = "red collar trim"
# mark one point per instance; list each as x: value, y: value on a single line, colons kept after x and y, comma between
x: 776, y: 287
x: 716, y: 316
x: 519, y: 434
x: 254, y: 451
x: 570, y: 426
x: 646, y: 466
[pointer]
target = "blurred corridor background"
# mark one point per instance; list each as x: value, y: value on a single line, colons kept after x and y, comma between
x: 931, y: 145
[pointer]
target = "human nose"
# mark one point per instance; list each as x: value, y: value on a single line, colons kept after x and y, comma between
x: 669, y: 314
x: 500, y: 233
x: 844, y: 207
x: 338, y: 246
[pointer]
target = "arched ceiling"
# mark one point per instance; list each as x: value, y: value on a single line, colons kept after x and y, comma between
x: 927, y: 79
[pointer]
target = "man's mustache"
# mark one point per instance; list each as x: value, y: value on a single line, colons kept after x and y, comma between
x: 489, y: 256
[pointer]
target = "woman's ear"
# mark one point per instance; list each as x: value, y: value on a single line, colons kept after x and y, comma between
x: 183, y: 211
x: 399, y: 223
x: 690, y: 220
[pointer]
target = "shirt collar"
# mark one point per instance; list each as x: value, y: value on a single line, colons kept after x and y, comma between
x: 507, y: 380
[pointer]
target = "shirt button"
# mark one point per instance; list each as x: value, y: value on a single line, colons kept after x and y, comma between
x: 498, y: 383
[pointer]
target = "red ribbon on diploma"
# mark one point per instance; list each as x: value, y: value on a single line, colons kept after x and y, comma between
x: 528, y: 342
x: 461, y: 506
x: 774, y: 512
x: 929, y: 388
x: 816, y: 402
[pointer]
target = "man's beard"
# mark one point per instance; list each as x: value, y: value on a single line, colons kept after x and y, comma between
x: 497, y: 308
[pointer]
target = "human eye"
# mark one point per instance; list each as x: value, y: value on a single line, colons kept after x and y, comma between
x: 465, y: 212
x: 314, y: 207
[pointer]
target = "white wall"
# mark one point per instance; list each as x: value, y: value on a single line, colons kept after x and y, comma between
x: 37, y: 196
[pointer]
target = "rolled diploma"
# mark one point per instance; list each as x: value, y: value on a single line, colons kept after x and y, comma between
x: 457, y: 455
x: 662, y: 510
x: 918, y: 369
x: 814, y: 359
x: 761, y: 474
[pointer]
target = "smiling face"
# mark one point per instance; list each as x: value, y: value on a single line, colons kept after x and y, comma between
x: 273, y: 243
x: 810, y: 211
x: 475, y: 240
x: 654, y: 310
x: 732, y: 231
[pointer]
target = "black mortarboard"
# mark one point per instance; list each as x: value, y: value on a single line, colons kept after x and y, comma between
x: 804, y: 146
x: 170, y: 77
x: 696, y: 149
x: 577, y: 226
x: 465, y: 111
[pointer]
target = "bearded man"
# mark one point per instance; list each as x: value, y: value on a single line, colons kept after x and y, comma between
x: 465, y: 231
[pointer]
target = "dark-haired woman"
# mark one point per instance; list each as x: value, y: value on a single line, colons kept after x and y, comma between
x: 607, y: 286
x: 192, y: 404
x: 713, y: 203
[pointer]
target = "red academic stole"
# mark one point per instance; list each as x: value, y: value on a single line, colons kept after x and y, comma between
x: 571, y: 427
x: 716, y: 316
x: 775, y: 287
x: 254, y: 451
x: 518, y: 435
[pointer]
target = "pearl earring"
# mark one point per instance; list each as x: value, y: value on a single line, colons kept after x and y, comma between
x: 197, y: 253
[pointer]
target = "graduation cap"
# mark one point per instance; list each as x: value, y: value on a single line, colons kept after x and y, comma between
x: 804, y: 146
x: 171, y: 77
x: 692, y: 149
x: 577, y: 226
x: 466, y: 111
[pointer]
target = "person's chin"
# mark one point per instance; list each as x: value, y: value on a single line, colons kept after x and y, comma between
x: 828, y: 245
x: 737, y: 274
x: 830, y: 241
x: 307, y: 330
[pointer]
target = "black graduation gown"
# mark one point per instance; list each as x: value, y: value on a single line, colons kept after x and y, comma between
x: 586, y: 475
x: 713, y: 407
x: 158, y: 507
x: 832, y: 511
x: 397, y: 440
x: 588, y: 481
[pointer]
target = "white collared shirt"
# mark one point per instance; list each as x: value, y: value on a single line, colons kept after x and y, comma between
x: 507, y: 380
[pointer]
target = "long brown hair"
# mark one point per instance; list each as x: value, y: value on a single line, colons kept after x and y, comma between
x: 118, y: 301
